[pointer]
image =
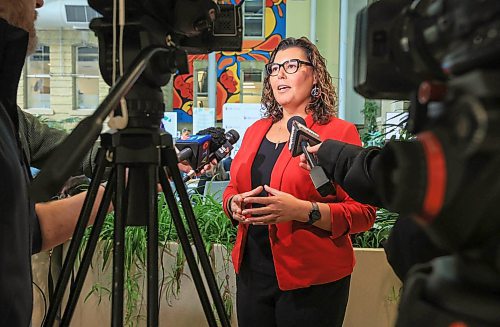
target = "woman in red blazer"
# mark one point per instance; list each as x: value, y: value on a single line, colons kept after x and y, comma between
x: 293, y: 255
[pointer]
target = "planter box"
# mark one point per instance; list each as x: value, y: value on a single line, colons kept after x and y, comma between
x: 182, y: 309
x: 374, y: 293
x: 373, y: 299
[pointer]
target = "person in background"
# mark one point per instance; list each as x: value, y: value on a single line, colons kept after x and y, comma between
x: 185, y: 134
x: 226, y: 163
x: 293, y: 255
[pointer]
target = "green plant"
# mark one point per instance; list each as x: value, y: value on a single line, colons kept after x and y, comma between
x: 380, y: 231
x: 214, y: 227
x: 370, y: 134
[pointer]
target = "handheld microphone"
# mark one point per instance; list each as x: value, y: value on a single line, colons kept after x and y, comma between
x: 231, y: 137
x: 194, y: 149
x: 300, y: 138
x: 299, y: 134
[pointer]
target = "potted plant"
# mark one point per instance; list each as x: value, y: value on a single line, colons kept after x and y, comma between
x: 178, y: 297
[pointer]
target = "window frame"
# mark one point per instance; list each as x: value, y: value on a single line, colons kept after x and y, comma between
x: 246, y: 66
x: 76, y: 75
x: 254, y: 15
x: 199, y: 65
x: 28, y: 76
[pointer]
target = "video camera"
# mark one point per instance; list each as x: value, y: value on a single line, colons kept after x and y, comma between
x: 182, y: 27
x: 195, y: 27
x: 444, y: 57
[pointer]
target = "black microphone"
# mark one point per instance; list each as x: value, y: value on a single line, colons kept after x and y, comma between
x: 195, y: 149
x: 224, y: 150
x: 300, y: 138
x: 231, y: 137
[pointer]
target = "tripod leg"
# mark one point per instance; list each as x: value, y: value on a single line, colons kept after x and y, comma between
x: 80, y: 227
x: 77, y: 285
x: 197, y: 239
x: 152, y: 233
x: 186, y: 246
x: 118, y: 249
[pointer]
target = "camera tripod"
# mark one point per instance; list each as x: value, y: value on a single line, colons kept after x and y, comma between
x: 148, y: 153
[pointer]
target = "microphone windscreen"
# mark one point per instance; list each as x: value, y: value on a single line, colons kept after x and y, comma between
x: 298, y: 119
x: 300, y: 134
x: 232, y: 136
x: 218, y: 137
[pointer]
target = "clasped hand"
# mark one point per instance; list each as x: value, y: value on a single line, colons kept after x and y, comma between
x: 277, y: 208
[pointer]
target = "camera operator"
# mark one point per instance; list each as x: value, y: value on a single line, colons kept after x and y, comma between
x: 26, y: 228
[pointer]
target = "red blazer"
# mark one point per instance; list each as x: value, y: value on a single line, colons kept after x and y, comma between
x: 303, y: 255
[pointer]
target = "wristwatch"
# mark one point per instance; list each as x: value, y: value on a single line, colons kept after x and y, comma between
x: 314, y: 214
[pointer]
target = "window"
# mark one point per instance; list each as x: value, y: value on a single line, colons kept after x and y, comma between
x: 253, y: 13
x: 200, y: 84
x: 37, y: 89
x: 252, y: 77
x: 86, y: 77
x: 80, y: 14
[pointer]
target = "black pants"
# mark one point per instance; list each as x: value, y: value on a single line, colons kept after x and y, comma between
x: 261, y: 303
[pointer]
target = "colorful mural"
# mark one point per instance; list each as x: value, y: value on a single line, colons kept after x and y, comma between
x: 228, y: 64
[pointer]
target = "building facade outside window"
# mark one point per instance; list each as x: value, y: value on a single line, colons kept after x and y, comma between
x: 37, y: 86
x: 253, y: 13
x: 252, y: 77
x: 86, y: 77
x: 80, y: 13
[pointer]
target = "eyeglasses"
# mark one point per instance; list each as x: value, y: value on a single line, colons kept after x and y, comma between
x: 290, y: 66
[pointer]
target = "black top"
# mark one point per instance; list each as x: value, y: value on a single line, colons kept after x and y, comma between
x: 19, y: 229
x: 258, y: 255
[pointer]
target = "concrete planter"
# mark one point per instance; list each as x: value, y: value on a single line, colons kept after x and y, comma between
x: 373, y: 300
x: 178, y: 308
x: 374, y: 293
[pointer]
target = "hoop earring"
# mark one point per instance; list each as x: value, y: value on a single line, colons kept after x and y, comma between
x: 315, y: 91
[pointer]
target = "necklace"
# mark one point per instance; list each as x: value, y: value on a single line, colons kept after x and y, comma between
x: 280, y: 128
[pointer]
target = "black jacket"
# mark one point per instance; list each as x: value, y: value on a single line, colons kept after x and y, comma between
x: 356, y: 169
x: 19, y: 229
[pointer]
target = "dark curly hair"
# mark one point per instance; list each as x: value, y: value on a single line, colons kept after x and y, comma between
x: 323, y: 107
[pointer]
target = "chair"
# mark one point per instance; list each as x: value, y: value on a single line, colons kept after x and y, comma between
x: 215, y: 189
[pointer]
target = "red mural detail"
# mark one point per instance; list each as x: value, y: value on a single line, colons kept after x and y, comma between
x: 270, y: 44
x: 184, y: 83
x: 224, y: 62
x: 228, y: 81
x: 176, y: 98
x: 222, y: 97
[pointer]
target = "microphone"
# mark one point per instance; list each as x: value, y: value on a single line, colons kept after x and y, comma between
x: 230, y: 138
x: 300, y: 138
x: 195, y: 149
